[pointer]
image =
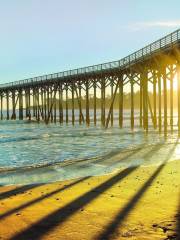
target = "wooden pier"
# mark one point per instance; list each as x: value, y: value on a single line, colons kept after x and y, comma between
x: 153, y: 69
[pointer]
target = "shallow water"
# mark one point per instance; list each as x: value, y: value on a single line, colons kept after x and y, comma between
x: 33, y: 153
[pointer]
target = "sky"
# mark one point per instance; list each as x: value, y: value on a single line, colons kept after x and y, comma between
x: 45, y: 36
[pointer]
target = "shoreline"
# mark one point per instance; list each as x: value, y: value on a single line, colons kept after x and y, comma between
x: 142, y: 155
x: 132, y: 203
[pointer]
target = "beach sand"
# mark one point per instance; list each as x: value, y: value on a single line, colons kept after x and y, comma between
x: 132, y: 203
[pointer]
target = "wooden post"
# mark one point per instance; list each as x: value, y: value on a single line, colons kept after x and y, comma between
x: 52, y: 101
x: 112, y: 103
x: 150, y: 109
x: 1, y: 106
x: 141, y: 101
x: 26, y: 103
x: 159, y: 100
x: 34, y: 107
x: 121, y: 101
x: 13, y: 106
x: 61, y: 104
x: 67, y: 117
x: 87, y: 104
x: 45, y: 104
x: 94, y: 86
x: 55, y: 104
x: 178, y: 95
x: 48, y: 103
x: 42, y: 104
x: 29, y: 102
x: 38, y: 105
x: 132, y: 101
x: 112, y: 112
x: 7, y: 102
x: 28, y: 98
x: 80, y: 107
x: 154, y: 99
x: 103, y: 102
x: 20, y: 105
x: 165, y: 101
x: 51, y: 105
x: 73, y: 116
x: 171, y: 97
x: 145, y: 100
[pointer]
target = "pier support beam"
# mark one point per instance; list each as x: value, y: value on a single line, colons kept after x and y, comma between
x: 27, y: 103
x: 55, y: 109
x: 159, y: 102
x: 48, y: 101
x: 73, y: 115
x: 34, y: 103
x: 67, y: 115
x: 178, y: 95
x: 60, y: 104
x: 112, y: 112
x: 87, y: 104
x: 120, y: 80
x: 103, y: 102
x: 112, y: 103
x: 45, y: 104
x: 13, y: 105
x: 95, y: 118
x: 42, y: 104
x: 165, y: 101
x: 141, y: 101
x: 145, y: 99
x: 1, y: 107
x: 132, y: 101
x: 52, y: 101
x: 154, y: 99
x: 7, y: 104
x: 80, y: 105
x: 20, y: 105
x: 38, y: 105
x: 171, y: 97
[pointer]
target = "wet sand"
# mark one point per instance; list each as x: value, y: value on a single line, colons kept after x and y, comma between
x: 132, y: 203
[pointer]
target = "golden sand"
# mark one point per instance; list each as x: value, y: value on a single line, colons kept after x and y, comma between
x: 135, y: 203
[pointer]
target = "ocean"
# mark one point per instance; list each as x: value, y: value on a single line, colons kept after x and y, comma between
x: 38, y: 153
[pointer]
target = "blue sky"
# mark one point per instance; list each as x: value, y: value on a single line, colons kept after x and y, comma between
x: 46, y: 36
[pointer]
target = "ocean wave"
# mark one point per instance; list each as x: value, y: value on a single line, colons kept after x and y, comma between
x: 99, y: 159
x: 50, y: 148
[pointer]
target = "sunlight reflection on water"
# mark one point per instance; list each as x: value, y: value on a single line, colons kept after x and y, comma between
x: 26, y: 146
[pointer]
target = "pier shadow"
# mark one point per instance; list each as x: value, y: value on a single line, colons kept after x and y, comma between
x: 112, y: 227
x: 116, y: 155
x: 18, y: 190
x: 57, y: 217
x: 43, y: 226
x: 177, y: 234
x: 102, y: 159
x: 27, y: 204
x: 34, y: 201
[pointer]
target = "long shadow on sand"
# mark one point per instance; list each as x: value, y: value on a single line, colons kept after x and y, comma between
x: 27, y: 204
x: 40, y: 228
x: 177, y: 235
x: 44, y: 225
x: 34, y: 201
x: 122, y: 214
x: 18, y: 190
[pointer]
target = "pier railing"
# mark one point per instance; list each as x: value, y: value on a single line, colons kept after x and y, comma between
x: 170, y: 39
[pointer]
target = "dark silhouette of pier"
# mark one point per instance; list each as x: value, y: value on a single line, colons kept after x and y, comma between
x: 153, y: 68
